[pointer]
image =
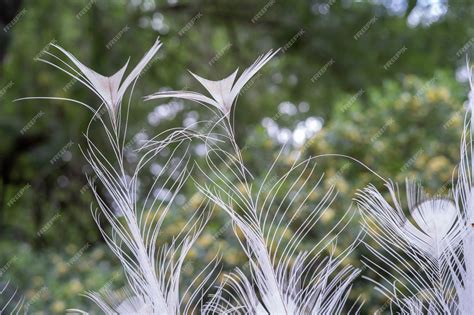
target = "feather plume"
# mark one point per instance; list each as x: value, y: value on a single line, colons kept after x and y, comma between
x: 152, y: 267
x: 109, y: 89
x: 415, y: 254
x: 279, y: 283
x: 426, y: 258
x: 462, y: 263
x: 11, y: 301
x: 283, y: 279
x: 223, y: 92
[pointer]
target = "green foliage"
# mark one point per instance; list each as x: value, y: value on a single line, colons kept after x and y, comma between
x: 402, y: 121
x: 408, y: 128
x: 52, y: 281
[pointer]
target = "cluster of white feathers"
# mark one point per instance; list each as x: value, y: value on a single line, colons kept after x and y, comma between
x: 423, y: 257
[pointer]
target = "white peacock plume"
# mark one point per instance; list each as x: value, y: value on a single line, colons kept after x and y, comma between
x: 110, y: 89
x: 152, y: 267
x: 280, y: 273
x: 11, y: 301
x: 223, y: 92
x: 463, y: 261
x: 413, y: 251
x: 431, y: 259
x: 284, y: 279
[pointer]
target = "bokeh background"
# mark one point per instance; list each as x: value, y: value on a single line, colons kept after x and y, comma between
x: 381, y: 80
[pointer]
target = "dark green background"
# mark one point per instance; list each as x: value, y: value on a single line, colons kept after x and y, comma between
x: 403, y: 117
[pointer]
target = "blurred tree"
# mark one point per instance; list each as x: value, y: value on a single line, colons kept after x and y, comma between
x: 379, y: 75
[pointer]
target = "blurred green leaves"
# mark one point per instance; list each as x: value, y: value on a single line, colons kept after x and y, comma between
x: 402, y: 121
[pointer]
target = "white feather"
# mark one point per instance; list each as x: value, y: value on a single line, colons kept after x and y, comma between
x: 280, y: 281
x: 413, y: 255
x: 11, y: 301
x: 110, y: 89
x: 223, y: 92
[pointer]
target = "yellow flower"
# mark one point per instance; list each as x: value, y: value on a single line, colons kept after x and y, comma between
x: 192, y: 253
x: 58, y: 307
x: 231, y: 257
x: 342, y: 185
x: 205, y: 240
x: 455, y: 121
x: 379, y: 146
x: 354, y: 136
x: 438, y: 164
x: 398, y: 105
x: 56, y: 258
x: 242, y: 188
x: 405, y: 97
x: 209, y: 256
x: 62, y: 267
x: 444, y: 94
x: 29, y: 294
x: 71, y: 249
x: 415, y: 104
x: 432, y: 96
x: 98, y: 253
x: 287, y: 234
x: 75, y: 286
x: 328, y: 215
x: 313, y: 196
x: 195, y: 201
x: 289, y: 160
